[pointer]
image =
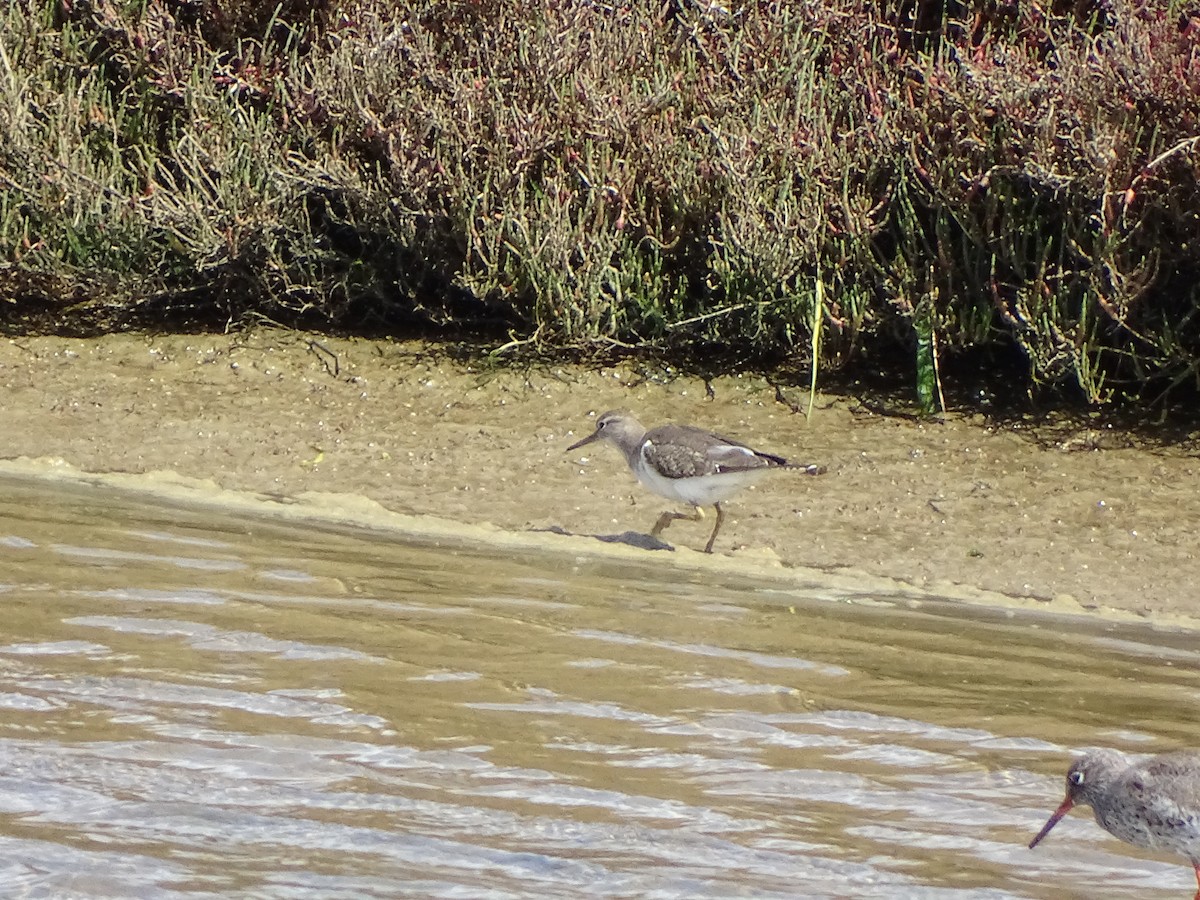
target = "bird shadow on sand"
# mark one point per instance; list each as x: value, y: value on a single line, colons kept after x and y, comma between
x: 630, y: 538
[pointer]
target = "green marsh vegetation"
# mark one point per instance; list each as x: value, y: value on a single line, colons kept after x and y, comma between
x: 810, y: 185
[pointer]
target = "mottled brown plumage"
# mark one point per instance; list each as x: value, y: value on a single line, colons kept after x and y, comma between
x: 1154, y: 803
x: 686, y: 464
x: 683, y: 451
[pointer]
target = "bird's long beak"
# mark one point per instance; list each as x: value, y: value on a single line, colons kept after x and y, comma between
x: 587, y: 440
x: 1063, y: 809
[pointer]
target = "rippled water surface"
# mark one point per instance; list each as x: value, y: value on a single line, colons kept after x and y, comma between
x: 201, y: 704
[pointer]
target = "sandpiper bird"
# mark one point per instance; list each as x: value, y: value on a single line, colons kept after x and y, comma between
x: 1154, y: 803
x: 687, y: 464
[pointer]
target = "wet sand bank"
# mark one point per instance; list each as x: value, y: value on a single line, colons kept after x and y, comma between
x: 1070, y: 524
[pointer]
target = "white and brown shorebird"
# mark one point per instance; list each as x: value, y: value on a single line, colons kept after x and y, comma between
x: 1154, y: 803
x: 686, y: 464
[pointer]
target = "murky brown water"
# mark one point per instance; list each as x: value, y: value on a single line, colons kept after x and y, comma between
x: 199, y: 704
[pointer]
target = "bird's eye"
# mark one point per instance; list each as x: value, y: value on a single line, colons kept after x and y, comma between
x: 1076, y: 778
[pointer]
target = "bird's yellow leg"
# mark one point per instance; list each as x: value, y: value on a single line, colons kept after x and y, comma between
x: 668, y: 517
x: 720, y: 518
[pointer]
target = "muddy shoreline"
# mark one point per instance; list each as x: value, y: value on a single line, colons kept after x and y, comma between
x: 1072, y: 523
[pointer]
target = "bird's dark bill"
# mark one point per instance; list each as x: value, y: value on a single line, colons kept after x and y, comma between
x: 587, y: 440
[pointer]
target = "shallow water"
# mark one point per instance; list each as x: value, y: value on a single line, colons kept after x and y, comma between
x: 194, y: 703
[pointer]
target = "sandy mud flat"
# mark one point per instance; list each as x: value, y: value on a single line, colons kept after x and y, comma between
x: 1070, y: 522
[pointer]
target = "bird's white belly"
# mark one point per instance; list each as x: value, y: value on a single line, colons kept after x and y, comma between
x: 701, y: 490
